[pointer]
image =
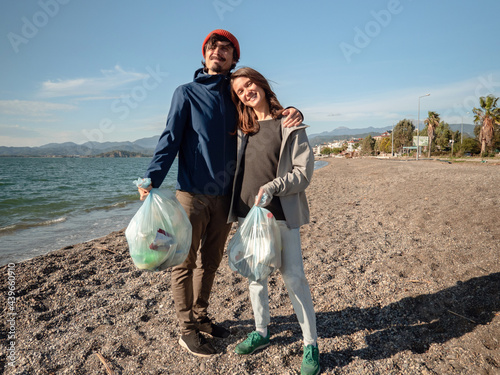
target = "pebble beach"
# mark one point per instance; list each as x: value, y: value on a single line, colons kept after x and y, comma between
x: 403, y: 261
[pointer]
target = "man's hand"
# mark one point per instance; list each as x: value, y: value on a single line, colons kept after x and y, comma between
x: 144, y: 192
x: 293, y: 117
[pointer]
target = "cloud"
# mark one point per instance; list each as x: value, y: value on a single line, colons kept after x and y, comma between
x: 94, y: 98
x: 452, y: 100
x: 92, y: 86
x: 20, y: 136
x: 32, y: 108
x: 16, y: 131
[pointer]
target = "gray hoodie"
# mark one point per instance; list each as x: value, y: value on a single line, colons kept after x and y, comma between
x: 294, y: 173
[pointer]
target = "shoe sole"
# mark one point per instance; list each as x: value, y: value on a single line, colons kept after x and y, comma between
x: 184, y: 345
x: 257, y: 348
x: 316, y: 373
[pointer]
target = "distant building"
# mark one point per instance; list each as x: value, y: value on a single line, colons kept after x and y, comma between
x: 317, y: 149
x: 383, y: 135
x: 352, y: 143
x: 335, y: 144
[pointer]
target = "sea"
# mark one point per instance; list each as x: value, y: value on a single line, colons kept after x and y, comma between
x: 50, y: 203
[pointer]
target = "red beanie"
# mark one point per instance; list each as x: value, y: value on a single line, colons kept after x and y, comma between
x: 226, y: 34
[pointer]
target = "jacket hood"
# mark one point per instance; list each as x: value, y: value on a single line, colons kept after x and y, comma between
x: 213, y: 81
x: 287, y: 131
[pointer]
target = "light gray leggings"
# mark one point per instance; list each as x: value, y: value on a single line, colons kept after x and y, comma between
x: 292, y: 270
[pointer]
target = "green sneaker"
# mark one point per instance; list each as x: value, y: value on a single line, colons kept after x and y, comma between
x: 253, y: 342
x: 310, y: 361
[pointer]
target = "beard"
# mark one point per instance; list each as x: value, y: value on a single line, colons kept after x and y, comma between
x: 218, y: 65
x: 217, y: 68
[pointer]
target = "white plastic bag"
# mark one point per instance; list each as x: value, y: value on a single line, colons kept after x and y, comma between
x: 159, y: 234
x: 255, y: 249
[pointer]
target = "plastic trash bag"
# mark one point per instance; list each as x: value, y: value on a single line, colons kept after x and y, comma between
x: 255, y: 249
x: 159, y: 234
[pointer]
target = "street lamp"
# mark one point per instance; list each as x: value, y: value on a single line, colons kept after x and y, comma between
x: 418, y: 123
x: 462, y: 129
x: 392, y: 141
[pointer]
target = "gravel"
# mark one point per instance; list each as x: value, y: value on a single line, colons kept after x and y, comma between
x: 403, y: 260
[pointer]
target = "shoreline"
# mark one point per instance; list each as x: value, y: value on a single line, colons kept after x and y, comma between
x: 69, y: 230
x: 66, y: 231
x: 402, y: 260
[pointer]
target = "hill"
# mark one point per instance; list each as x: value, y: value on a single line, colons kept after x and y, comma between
x: 146, y: 146
x: 343, y: 133
x: 121, y: 154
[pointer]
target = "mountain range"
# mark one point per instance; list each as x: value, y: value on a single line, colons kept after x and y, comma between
x: 341, y: 133
x: 344, y: 133
x: 146, y: 146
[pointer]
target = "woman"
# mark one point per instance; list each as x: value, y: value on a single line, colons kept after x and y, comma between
x: 278, y: 162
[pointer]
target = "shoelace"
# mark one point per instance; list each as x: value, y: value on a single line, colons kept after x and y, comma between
x: 201, y: 339
x: 254, y: 337
x: 309, y: 357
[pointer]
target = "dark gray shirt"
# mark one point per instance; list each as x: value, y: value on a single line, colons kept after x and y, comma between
x: 259, y: 166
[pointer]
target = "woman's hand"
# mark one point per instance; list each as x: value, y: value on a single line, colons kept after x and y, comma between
x: 144, y: 192
x: 263, y: 193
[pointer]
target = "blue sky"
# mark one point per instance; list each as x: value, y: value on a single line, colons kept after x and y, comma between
x: 78, y: 71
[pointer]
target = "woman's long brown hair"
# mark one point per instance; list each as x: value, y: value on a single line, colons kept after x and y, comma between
x: 247, y: 119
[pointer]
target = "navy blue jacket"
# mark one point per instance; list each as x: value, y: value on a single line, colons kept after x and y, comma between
x: 201, y: 119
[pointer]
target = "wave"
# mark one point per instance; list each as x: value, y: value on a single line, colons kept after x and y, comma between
x: 111, y: 206
x: 120, y: 204
x: 12, y: 228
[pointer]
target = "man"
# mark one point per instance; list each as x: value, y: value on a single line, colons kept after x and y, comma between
x: 201, y: 127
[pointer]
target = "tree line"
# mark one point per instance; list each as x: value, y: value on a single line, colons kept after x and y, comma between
x: 441, y: 139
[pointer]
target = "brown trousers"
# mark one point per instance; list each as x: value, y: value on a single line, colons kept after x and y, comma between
x: 192, y: 280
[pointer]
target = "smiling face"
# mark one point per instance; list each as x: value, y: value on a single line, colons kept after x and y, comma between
x: 219, y: 57
x: 254, y: 99
x: 250, y: 94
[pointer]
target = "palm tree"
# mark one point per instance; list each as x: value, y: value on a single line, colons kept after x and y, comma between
x: 487, y: 116
x: 432, y: 123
